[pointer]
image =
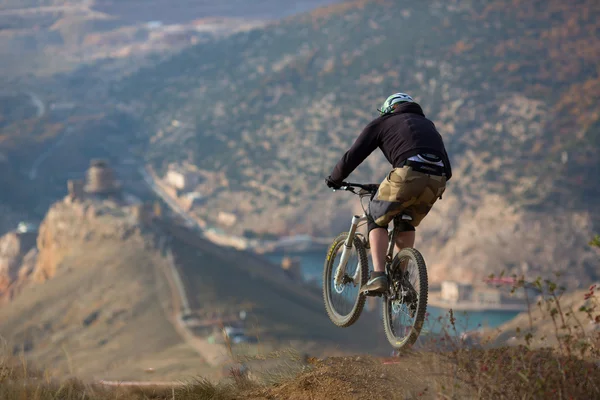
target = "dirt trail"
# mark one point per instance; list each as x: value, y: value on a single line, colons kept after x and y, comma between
x: 420, y: 375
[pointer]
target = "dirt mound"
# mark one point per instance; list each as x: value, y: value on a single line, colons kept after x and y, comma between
x: 363, y: 378
x: 501, y: 373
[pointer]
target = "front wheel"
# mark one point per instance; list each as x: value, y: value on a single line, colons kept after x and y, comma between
x: 343, y: 300
x: 406, y: 303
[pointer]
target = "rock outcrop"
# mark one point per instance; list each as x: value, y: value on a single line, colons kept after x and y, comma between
x: 94, y: 209
x: 98, y: 282
x: 83, y: 221
x: 17, y: 255
x: 36, y: 256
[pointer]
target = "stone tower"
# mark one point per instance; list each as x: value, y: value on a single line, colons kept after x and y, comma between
x: 101, y: 179
x: 75, y: 187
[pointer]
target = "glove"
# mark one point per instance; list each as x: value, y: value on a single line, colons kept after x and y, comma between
x: 331, y: 183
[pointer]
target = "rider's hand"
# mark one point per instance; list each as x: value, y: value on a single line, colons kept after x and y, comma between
x: 331, y: 183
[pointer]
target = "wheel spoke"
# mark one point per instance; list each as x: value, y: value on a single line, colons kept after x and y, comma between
x: 343, y: 296
x: 343, y: 301
x: 403, y: 316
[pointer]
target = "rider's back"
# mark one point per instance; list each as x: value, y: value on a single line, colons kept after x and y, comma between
x: 408, y: 132
x: 399, y: 135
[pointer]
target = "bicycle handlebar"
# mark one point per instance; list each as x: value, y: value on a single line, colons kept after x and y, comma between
x: 369, y: 187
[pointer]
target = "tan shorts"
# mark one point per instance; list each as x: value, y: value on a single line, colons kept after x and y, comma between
x: 405, y: 191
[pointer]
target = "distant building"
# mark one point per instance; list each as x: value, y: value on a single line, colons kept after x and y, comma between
x: 75, y: 188
x: 26, y: 227
x: 101, y: 179
x: 192, y: 199
x: 488, y: 296
x: 467, y: 296
x: 455, y: 291
x: 226, y: 218
x: 181, y: 180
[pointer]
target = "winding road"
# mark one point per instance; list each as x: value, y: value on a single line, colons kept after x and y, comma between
x: 167, y: 199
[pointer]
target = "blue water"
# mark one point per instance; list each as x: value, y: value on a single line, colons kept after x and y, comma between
x: 438, y: 318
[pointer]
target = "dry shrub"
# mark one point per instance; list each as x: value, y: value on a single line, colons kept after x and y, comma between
x: 524, y: 373
x: 568, y: 370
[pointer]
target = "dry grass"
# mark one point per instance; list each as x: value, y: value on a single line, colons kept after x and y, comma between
x: 20, y: 380
x: 457, y: 371
x: 567, y: 370
x: 524, y: 373
x: 74, y: 389
x: 17, y: 381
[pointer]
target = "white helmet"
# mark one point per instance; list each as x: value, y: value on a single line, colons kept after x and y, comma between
x: 387, y: 106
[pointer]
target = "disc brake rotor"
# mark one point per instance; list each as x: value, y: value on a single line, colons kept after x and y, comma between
x: 401, y: 293
x: 339, y: 287
x: 396, y: 306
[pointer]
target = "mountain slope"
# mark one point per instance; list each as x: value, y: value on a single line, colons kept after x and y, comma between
x: 280, y: 310
x: 101, y: 300
x: 274, y: 109
x: 100, y: 297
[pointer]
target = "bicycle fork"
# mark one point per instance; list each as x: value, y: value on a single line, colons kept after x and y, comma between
x: 341, y: 268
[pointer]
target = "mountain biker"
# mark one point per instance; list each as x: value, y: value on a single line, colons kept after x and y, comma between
x: 421, y: 168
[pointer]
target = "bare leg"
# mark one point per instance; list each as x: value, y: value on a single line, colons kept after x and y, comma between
x: 378, y: 239
x: 405, y: 239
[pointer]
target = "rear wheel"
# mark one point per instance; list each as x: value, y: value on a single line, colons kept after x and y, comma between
x: 406, y: 303
x: 343, y: 301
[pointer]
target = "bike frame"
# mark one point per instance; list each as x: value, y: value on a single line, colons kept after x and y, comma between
x: 341, y: 268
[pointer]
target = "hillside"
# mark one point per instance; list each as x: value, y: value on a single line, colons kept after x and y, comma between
x: 100, y: 295
x: 542, y: 328
x: 273, y: 109
x: 221, y: 281
x: 96, y: 295
x: 57, y: 36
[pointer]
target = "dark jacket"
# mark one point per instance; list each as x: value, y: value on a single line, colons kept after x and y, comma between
x: 400, y: 135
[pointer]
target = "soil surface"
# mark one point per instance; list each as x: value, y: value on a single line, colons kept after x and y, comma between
x: 366, y: 378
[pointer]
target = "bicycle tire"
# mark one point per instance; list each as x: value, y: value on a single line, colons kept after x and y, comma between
x: 411, y: 338
x: 349, y: 319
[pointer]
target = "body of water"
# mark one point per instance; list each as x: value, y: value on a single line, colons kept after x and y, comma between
x: 312, y: 268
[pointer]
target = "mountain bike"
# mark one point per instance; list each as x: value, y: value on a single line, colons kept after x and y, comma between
x: 346, y: 271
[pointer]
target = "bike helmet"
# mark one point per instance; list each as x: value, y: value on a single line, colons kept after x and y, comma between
x: 387, y: 106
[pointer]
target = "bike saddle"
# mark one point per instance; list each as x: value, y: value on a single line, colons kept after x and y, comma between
x: 403, y: 217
